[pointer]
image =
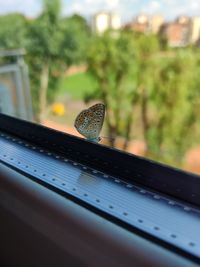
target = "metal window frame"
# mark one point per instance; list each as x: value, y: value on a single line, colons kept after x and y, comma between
x: 20, y: 71
x: 168, y: 180
x: 36, y: 199
x: 54, y: 231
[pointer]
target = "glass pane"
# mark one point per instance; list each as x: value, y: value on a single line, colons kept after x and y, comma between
x: 139, y: 58
x: 8, y: 102
x: 14, y: 92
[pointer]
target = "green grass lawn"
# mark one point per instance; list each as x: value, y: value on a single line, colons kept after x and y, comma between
x: 77, y: 85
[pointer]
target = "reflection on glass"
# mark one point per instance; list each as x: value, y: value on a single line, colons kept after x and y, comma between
x: 87, y: 179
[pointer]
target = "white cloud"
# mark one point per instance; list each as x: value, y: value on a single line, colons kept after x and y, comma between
x: 88, y: 8
x: 126, y: 8
x: 129, y: 8
x: 155, y: 5
x: 28, y: 7
x: 152, y: 7
x: 194, y: 4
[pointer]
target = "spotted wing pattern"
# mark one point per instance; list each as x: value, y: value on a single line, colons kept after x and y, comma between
x: 90, y: 121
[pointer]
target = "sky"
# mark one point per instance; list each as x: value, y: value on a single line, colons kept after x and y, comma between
x: 127, y: 9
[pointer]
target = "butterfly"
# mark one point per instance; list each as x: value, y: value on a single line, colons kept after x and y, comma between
x: 90, y: 121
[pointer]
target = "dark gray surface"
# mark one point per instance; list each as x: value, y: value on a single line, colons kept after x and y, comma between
x: 155, y: 214
x: 41, y: 228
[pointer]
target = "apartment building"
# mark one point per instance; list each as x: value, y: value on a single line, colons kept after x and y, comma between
x: 195, y: 30
x: 144, y: 24
x: 103, y: 21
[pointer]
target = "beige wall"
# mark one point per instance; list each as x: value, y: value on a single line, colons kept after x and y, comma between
x: 104, y: 21
x: 101, y: 22
x: 195, y: 29
x: 155, y: 23
x: 115, y: 21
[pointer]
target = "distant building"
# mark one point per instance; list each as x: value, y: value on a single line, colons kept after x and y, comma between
x: 194, y: 27
x: 155, y: 23
x: 103, y: 21
x: 144, y: 24
x: 177, y: 33
x: 183, y: 20
x: 139, y: 24
x: 142, y: 19
x: 195, y: 30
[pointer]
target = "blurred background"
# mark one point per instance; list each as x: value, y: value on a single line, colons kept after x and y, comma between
x: 140, y: 58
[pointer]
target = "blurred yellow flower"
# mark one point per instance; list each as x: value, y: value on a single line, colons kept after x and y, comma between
x: 58, y: 109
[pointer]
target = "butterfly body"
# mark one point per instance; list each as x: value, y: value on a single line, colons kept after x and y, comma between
x: 95, y: 140
x: 90, y: 121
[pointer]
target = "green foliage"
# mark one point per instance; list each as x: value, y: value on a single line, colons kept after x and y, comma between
x: 43, y: 50
x: 54, y: 45
x: 13, y: 30
x: 49, y: 36
x: 77, y: 27
x: 140, y: 70
x: 110, y: 60
x: 77, y: 86
x: 169, y: 112
x: 127, y: 71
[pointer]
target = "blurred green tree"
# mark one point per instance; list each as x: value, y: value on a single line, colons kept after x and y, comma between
x: 172, y: 97
x: 13, y: 30
x: 147, y: 48
x: 139, y: 70
x: 110, y: 61
x: 167, y: 85
x: 53, y: 46
x: 44, y: 52
x: 133, y: 72
x: 78, y: 27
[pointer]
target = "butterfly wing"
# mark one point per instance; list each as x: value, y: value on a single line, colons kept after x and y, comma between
x: 90, y: 121
x: 95, y: 124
